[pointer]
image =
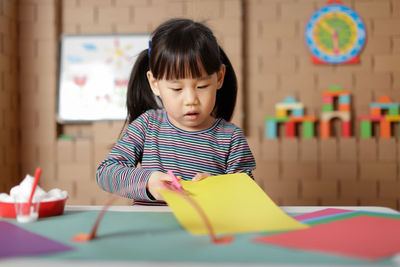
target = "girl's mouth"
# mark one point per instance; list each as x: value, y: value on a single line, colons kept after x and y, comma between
x: 191, y: 115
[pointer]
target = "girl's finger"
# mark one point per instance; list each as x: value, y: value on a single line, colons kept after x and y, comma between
x: 200, y: 176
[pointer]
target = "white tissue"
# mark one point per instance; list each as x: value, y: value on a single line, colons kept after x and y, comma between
x: 22, y: 192
x: 56, y: 194
x: 6, y: 198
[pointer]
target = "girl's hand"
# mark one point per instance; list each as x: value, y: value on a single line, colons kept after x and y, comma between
x: 201, y: 176
x: 155, y: 183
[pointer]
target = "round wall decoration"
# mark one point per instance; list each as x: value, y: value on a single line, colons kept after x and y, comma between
x: 335, y: 34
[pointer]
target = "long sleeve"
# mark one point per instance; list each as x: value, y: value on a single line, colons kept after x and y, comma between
x: 119, y: 173
x: 240, y: 158
x: 157, y: 145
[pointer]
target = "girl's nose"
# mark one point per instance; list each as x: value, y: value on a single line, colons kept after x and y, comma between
x: 191, y: 97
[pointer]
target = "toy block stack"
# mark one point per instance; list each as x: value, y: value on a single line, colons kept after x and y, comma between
x: 384, y: 112
x: 329, y: 111
x: 290, y: 112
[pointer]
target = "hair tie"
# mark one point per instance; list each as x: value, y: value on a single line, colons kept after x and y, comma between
x: 149, y: 49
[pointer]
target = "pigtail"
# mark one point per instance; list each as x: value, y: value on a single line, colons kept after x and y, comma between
x: 139, y: 98
x: 226, y: 95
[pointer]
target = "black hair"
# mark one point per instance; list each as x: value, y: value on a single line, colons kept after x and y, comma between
x: 178, y: 49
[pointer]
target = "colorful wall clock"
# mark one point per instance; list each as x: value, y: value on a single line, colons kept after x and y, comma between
x: 335, y: 34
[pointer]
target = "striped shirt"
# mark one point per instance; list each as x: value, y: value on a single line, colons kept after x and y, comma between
x: 154, y: 142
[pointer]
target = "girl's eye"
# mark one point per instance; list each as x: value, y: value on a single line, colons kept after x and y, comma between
x: 202, y: 86
x: 176, y: 89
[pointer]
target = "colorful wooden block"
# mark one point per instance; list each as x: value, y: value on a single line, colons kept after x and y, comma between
x: 385, y: 129
x: 375, y: 112
x: 277, y: 119
x: 289, y: 99
x: 384, y: 99
x: 325, y: 130
x: 394, y: 111
x: 392, y: 118
x: 344, y: 107
x: 310, y: 118
x: 346, y: 129
x: 271, y: 129
x: 281, y: 113
x: 327, y: 107
x: 366, y: 128
x: 374, y: 118
x: 290, y: 129
x: 335, y: 88
x: 335, y: 93
x: 303, y: 118
x: 308, y: 129
x: 297, y: 112
x: 384, y: 105
x: 289, y: 106
x: 327, y: 99
x: 344, y: 99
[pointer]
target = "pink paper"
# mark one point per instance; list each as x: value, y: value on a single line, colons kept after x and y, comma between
x: 364, y: 237
x: 320, y: 213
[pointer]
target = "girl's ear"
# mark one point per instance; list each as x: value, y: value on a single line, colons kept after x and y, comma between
x: 153, y: 83
x: 220, y: 76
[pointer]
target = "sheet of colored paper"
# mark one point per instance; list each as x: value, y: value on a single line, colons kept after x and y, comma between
x: 365, y: 237
x: 233, y: 203
x: 320, y: 213
x: 16, y: 241
x: 348, y: 215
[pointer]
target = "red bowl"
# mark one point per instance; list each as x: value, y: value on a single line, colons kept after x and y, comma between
x: 46, y: 209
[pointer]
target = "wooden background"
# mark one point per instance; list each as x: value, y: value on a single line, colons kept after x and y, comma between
x: 265, y: 41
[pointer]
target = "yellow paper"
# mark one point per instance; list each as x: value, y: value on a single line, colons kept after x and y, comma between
x: 233, y: 203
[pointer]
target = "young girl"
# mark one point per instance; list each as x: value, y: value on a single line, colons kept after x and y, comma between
x: 181, y: 96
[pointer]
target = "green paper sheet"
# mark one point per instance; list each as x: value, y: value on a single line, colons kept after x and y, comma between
x: 233, y: 203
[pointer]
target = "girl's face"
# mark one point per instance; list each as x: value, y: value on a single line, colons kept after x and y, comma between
x: 189, y: 102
